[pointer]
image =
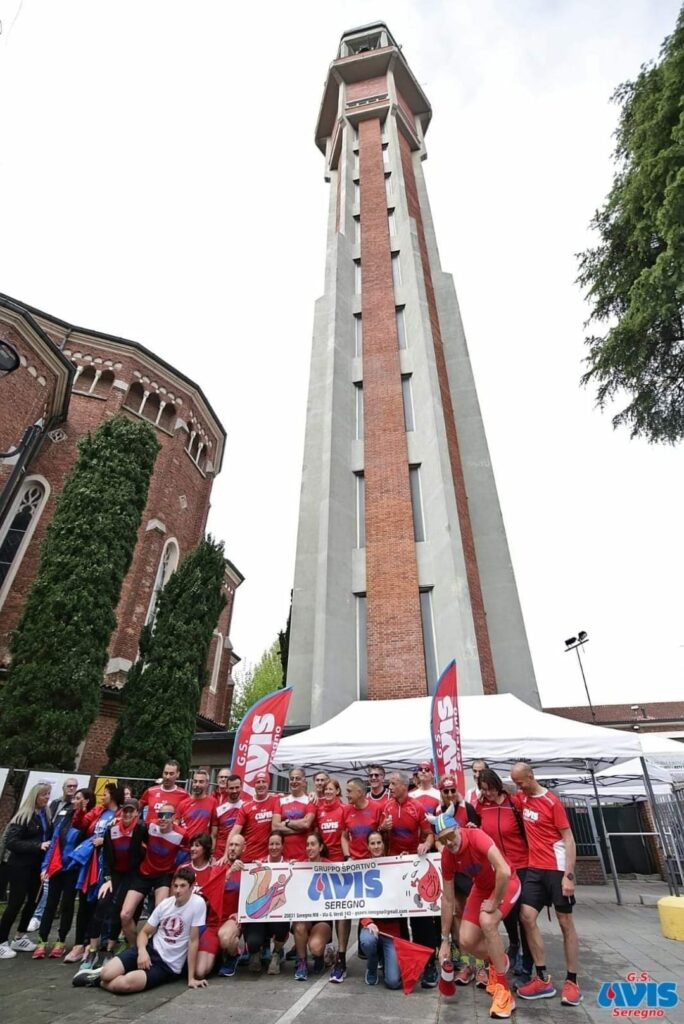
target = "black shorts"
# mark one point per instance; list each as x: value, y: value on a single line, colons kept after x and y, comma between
x: 542, y: 888
x: 462, y: 883
x: 156, y: 974
x: 149, y: 883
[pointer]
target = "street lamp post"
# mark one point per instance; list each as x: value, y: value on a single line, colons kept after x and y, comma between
x: 574, y: 644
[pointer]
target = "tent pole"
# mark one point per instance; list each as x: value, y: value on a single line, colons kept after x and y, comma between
x: 609, y: 848
x: 671, y: 877
x: 597, y: 842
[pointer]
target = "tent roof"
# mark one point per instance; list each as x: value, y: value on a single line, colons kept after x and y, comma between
x: 500, y: 728
x: 621, y: 782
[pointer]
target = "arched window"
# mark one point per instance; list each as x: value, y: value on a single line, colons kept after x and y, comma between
x: 150, y: 409
x: 85, y: 379
x: 168, y: 563
x: 17, y: 530
x: 134, y: 398
x: 103, y: 384
x: 167, y: 420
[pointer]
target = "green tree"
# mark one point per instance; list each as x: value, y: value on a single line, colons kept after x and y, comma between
x: 59, y: 648
x: 635, y: 276
x: 162, y: 693
x: 256, y: 682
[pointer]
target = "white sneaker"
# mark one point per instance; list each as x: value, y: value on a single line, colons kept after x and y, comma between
x: 5, y: 952
x: 34, y: 924
x: 23, y: 945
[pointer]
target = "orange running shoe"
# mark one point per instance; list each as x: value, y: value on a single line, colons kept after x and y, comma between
x: 537, y: 988
x: 503, y: 1003
x: 570, y: 995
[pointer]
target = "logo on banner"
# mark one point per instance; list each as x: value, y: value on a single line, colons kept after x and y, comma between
x: 258, y: 736
x: 428, y: 885
x: 447, y: 745
x: 638, y: 996
x: 266, y: 895
x: 347, y: 885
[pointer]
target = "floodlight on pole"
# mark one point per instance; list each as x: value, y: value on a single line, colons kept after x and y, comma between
x: 573, y: 644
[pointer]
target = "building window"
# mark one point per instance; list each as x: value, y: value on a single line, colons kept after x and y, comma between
x: 401, y: 327
x: 216, y: 667
x: 360, y: 510
x: 396, y: 270
x: 361, y: 647
x: 416, y: 504
x: 357, y: 276
x: 429, y: 642
x: 168, y: 563
x: 358, y: 432
x: 385, y: 154
x: 357, y: 230
x: 17, y: 530
x: 388, y: 186
x: 358, y: 334
x: 407, y: 395
x: 392, y: 222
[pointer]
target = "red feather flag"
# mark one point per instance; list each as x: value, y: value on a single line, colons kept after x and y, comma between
x: 412, y: 959
x: 445, y: 728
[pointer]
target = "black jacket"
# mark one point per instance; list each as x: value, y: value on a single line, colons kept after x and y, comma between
x: 24, y: 841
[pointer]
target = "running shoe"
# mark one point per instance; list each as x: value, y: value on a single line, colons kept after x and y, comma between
x: 537, y: 988
x: 254, y: 963
x: 503, y: 1003
x: 228, y: 967
x: 274, y: 966
x: 430, y: 975
x: 338, y: 973
x: 464, y: 975
x: 34, y: 924
x: 481, y: 977
x: 39, y: 951
x: 57, y: 951
x: 5, y: 952
x: 75, y: 955
x: 570, y: 993
x: 371, y: 977
x: 23, y: 945
x: 302, y: 971
x: 87, y: 979
x: 318, y: 964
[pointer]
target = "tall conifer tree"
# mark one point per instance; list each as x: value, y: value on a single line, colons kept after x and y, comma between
x: 59, y: 648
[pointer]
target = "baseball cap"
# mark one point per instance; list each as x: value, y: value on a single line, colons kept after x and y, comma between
x: 130, y: 802
x: 448, y: 783
x: 261, y: 776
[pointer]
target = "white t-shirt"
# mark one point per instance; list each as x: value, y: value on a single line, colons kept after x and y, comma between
x: 173, y: 924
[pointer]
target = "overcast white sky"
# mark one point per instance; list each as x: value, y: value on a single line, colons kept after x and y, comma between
x: 159, y: 181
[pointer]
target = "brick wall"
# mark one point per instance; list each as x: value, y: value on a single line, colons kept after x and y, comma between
x: 368, y: 87
x: 396, y: 666
x: 476, y: 600
x: 588, y: 871
x: 94, y: 754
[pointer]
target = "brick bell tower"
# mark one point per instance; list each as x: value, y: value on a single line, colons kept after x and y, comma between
x: 402, y: 561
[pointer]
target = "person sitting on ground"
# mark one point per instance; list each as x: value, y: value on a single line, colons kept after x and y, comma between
x: 229, y: 932
x: 315, y: 934
x: 168, y: 940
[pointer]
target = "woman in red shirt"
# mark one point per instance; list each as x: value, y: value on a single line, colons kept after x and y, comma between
x: 315, y: 934
x: 502, y: 822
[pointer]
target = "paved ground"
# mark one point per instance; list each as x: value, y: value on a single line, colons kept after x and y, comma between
x: 614, y: 940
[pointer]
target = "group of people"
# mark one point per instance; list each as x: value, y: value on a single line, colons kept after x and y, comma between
x: 504, y: 855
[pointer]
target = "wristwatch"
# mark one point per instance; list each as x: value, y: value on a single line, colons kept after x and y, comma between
x: 445, y: 938
x: 570, y: 876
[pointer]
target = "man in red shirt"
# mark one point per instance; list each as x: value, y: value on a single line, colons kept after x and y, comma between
x: 229, y: 932
x: 255, y: 818
x: 409, y: 831
x: 221, y: 791
x: 495, y: 890
x: 197, y: 813
x: 167, y: 792
x: 163, y: 841
x: 550, y: 879
x: 228, y: 803
x: 376, y: 784
x: 294, y: 818
x: 425, y: 792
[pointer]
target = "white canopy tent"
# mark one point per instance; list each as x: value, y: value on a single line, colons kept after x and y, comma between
x: 500, y: 728
x: 621, y: 783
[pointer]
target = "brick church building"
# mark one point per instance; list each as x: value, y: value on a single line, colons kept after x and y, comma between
x: 69, y: 380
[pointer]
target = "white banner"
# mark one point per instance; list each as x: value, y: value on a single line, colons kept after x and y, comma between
x: 386, y: 887
x: 55, y: 780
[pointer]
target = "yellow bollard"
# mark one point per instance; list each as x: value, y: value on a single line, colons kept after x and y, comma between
x: 671, y: 913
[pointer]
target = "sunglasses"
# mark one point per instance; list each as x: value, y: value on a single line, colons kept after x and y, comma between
x: 449, y: 791
x: 449, y: 837
x: 165, y: 814
x: 375, y: 775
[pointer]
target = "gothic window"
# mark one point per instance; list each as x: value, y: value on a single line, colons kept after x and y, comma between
x: 103, y: 384
x: 168, y: 563
x: 135, y: 396
x: 16, y: 533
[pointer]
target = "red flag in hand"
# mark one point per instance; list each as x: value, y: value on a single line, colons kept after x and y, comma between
x: 213, y: 893
x: 412, y: 959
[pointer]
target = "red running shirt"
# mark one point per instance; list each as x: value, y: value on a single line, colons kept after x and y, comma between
x: 295, y: 808
x: 471, y: 860
x: 330, y: 823
x: 161, y: 851
x: 197, y: 814
x: 231, y: 893
x: 226, y: 816
x: 544, y: 816
x: 503, y: 823
x: 427, y: 798
x: 409, y: 825
x: 358, y: 824
x: 255, y: 818
x: 155, y: 796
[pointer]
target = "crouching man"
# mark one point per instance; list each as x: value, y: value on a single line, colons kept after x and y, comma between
x: 169, y: 938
